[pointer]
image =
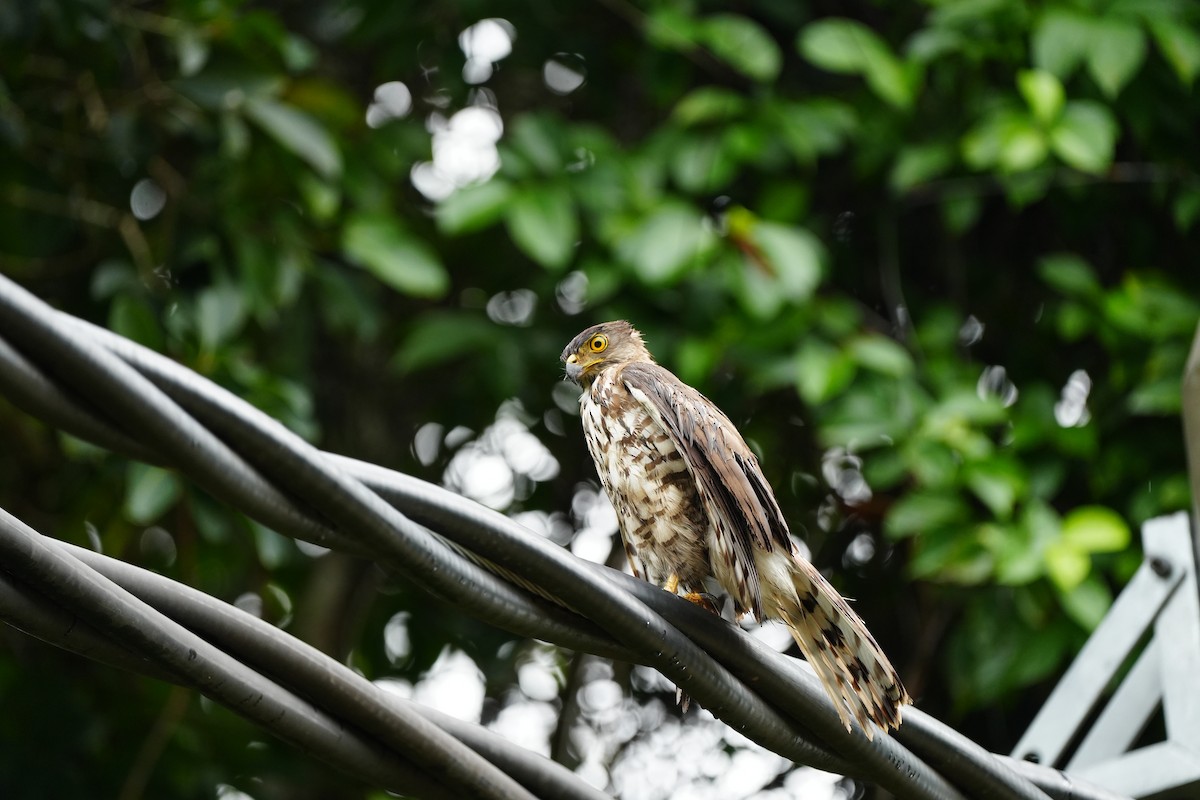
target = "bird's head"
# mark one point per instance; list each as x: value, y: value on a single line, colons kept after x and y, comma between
x: 601, y: 346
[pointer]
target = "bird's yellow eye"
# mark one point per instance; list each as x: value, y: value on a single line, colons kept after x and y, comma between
x: 598, y: 343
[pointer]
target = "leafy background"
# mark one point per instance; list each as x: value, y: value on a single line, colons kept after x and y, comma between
x: 935, y: 259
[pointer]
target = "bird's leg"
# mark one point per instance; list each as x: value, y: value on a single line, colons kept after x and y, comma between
x: 702, y: 600
x: 681, y: 698
x: 699, y: 598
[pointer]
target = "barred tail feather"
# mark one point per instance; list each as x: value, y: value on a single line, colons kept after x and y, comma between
x: 856, y: 674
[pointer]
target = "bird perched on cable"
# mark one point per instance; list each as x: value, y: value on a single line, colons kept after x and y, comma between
x: 692, y: 501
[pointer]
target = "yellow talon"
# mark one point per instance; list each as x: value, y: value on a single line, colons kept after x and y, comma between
x: 672, y: 584
x: 704, y: 601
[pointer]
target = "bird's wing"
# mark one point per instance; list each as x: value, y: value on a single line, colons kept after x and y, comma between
x: 736, y: 496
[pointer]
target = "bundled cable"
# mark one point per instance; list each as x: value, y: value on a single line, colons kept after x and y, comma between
x: 106, y: 389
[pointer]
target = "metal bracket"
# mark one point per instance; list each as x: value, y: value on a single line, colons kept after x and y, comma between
x: 1162, y: 594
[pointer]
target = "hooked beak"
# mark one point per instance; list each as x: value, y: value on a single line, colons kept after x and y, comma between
x: 574, y: 368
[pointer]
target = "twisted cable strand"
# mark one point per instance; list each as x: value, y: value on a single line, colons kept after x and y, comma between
x: 271, y: 456
x: 192, y: 661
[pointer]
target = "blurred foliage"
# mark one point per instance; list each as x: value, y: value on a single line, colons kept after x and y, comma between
x: 934, y: 258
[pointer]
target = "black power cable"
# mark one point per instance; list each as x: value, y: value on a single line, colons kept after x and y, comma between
x: 146, y: 406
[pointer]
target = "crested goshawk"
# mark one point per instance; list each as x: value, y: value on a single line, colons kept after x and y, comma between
x: 692, y: 501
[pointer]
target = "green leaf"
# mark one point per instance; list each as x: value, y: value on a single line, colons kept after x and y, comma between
x: 839, y: 317
x: 1043, y: 94
x: 1022, y: 145
x: 1187, y: 208
x: 133, y: 318
x: 1180, y: 46
x: 750, y: 143
x: 870, y: 419
x: 918, y: 164
x: 298, y: 54
x: 542, y: 222
x: 149, y: 493
x: 298, y: 132
x: 220, y: 313
x: 1019, y: 552
x: 1095, y: 529
x: 1070, y: 274
x: 321, y: 198
x: 1046, y: 478
x: 672, y: 239
x: 700, y: 164
x: 998, y: 483
x: 695, y: 360
x: 951, y: 559
x: 212, y: 521
x: 1024, y: 149
x: 967, y: 14
x: 1066, y: 564
x: 1018, y: 561
x: 882, y: 355
x: 112, y: 278
x: 438, y: 338
x: 884, y: 469
x: 755, y: 288
x: 1074, y: 320
x: 930, y: 44
x: 380, y: 245
x: 995, y: 650
x: 783, y: 264
x: 840, y: 45
x: 743, y: 44
x: 932, y: 463
x: 536, y: 137
x: 671, y: 28
x: 217, y: 89
x: 812, y: 129
x: 192, y: 49
x: 1041, y: 653
x: 1116, y: 49
x: 793, y: 256
x: 1161, y: 397
x: 1041, y: 522
x: 1061, y: 40
x: 822, y: 371
x: 1150, y: 310
x: 473, y: 208
x: 849, y: 47
x: 1025, y: 188
x: 708, y: 104
x: 1008, y: 139
x: 273, y: 548
x: 784, y: 201
x: 922, y: 512
x: 960, y: 405
x: 1085, y: 136
x: 235, y: 136
x: 893, y: 82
